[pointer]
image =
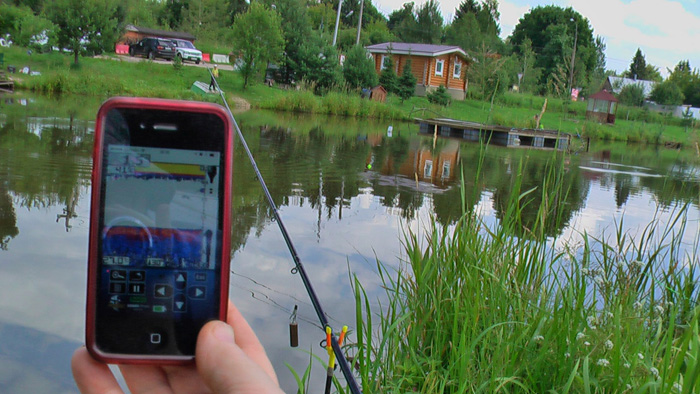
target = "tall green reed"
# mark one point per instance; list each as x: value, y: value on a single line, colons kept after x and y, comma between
x: 499, y: 308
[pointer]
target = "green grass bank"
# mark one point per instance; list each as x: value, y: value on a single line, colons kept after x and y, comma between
x: 113, y: 75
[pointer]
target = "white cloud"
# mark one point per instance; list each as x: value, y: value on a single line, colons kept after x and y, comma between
x: 667, y: 31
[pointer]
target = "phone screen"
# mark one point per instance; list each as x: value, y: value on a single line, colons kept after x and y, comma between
x: 160, y: 232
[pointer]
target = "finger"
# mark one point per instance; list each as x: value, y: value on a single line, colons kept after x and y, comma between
x: 247, y: 340
x: 225, y: 367
x: 146, y: 379
x: 185, y: 380
x: 91, y: 376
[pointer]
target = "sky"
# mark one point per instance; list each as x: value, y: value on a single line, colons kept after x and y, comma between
x: 667, y: 31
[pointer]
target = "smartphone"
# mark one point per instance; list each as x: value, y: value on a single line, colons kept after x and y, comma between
x: 159, y: 251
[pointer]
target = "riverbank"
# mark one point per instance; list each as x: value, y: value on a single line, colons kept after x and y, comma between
x: 119, y: 75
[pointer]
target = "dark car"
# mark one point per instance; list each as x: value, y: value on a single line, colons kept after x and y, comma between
x: 152, y: 48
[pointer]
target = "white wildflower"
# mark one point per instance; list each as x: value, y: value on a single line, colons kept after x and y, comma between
x: 603, y: 362
x: 637, y: 305
x: 599, y: 280
x: 567, y: 355
x: 654, y: 372
x: 584, y: 271
x: 659, y: 309
x: 678, y: 387
x: 629, y: 386
x: 580, y: 336
x: 640, y: 356
x: 609, y: 315
x: 609, y: 345
x: 586, y: 344
x: 538, y: 338
x: 639, y: 263
x: 627, y: 365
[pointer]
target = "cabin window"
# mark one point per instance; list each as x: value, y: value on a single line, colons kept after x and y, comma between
x: 385, y: 61
x: 428, y: 169
x: 458, y: 70
x: 446, y: 166
x: 439, y: 67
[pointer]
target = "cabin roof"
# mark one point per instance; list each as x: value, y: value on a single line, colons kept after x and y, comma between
x: 603, y: 95
x: 617, y: 83
x: 406, y: 48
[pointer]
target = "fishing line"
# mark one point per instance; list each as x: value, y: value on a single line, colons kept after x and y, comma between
x: 298, y: 266
x: 296, y: 299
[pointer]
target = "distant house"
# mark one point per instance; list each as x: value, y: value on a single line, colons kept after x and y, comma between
x: 615, y: 85
x: 134, y: 34
x: 432, y: 65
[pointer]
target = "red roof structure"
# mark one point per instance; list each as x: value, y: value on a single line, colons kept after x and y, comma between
x: 602, y: 107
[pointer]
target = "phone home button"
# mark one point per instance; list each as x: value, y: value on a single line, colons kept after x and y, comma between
x: 156, y: 338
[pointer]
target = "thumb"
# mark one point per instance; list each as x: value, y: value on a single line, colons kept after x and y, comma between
x: 225, y: 367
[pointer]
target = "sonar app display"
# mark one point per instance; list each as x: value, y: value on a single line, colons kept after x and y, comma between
x: 159, y: 251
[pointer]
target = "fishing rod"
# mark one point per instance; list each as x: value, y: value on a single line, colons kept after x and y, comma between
x: 298, y: 266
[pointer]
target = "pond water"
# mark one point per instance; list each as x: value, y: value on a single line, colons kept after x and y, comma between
x: 347, y: 190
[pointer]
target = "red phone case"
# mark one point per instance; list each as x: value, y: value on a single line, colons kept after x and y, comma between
x: 157, y: 104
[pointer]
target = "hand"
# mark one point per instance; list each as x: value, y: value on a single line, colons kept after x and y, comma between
x: 225, y: 364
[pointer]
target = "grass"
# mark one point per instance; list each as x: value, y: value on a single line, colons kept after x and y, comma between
x: 109, y: 77
x: 477, y: 309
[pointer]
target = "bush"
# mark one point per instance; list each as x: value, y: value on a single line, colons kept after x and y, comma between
x: 667, y: 93
x: 632, y: 95
x: 440, y: 96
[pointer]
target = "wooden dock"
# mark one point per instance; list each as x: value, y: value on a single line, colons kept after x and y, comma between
x: 6, y: 84
x: 499, y: 135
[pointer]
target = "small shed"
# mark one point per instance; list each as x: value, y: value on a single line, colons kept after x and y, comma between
x: 378, y: 93
x: 602, y: 107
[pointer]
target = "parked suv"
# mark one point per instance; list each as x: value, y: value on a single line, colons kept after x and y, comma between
x: 153, y: 47
x: 187, y: 51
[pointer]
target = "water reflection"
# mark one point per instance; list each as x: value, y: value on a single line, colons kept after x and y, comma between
x: 347, y: 190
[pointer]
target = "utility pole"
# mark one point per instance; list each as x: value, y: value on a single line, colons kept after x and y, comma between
x: 337, y: 22
x: 359, y: 24
x: 573, y: 60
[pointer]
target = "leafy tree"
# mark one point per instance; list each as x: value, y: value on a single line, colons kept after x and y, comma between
x: 257, y: 39
x: 358, y: 70
x: 23, y: 26
x: 78, y: 23
x: 387, y: 77
x: 206, y: 18
x: 486, y: 73
x: 552, y: 30
x: 475, y: 23
x: 407, y: 83
x: 632, y: 95
x: 439, y: 96
x: 296, y: 28
x: 688, y: 80
x: 376, y: 33
x: 667, y: 93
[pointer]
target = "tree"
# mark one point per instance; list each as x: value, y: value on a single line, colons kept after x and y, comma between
x: 439, y: 96
x: 688, y: 81
x: 403, y: 24
x: 257, y: 39
x: 318, y: 64
x: 638, y: 67
x: 407, y: 82
x: 485, y: 74
x: 429, y: 23
x: 387, y: 77
x: 23, y: 26
x: 667, y: 93
x: 358, y: 70
x: 296, y: 28
x: 83, y: 23
x: 552, y: 31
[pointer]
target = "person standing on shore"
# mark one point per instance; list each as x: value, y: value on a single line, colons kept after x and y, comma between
x: 214, y: 76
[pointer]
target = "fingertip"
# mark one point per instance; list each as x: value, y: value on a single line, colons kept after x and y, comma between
x: 92, y: 376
